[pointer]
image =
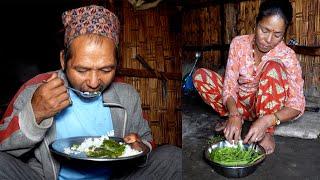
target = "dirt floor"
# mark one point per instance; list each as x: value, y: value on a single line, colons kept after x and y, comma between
x: 294, y: 158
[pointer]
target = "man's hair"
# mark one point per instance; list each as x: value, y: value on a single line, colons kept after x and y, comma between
x: 98, y: 39
x: 283, y: 8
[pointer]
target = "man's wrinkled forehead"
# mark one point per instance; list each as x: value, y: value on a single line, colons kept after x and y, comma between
x: 90, y: 20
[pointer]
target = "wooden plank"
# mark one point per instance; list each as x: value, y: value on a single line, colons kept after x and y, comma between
x: 146, y: 74
x: 223, y: 32
x: 210, y: 47
x: 209, y: 3
x: 307, y: 50
x: 304, y: 50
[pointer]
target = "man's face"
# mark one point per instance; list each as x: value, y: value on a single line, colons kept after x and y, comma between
x: 92, y: 64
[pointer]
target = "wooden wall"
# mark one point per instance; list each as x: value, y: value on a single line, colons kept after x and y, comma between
x: 306, y: 30
x: 239, y: 20
x: 150, y: 34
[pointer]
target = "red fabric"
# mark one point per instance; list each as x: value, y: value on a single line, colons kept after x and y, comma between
x: 14, y: 123
x: 271, y: 94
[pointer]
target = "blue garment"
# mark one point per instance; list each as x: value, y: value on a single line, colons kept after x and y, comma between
x: 85, y: 117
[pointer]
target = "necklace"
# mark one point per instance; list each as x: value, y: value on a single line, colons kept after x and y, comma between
x: 253, y: 57
x: 253, y: 46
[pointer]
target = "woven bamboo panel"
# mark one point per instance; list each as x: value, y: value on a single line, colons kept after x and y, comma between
x: 146, y: 33
x: 201, y: 27
x: 161, y: 110
x: 306, y: 30
x: 231, y: 19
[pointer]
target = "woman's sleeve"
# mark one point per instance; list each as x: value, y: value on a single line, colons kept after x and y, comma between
x: 296, y: 99
x: 230, y: 84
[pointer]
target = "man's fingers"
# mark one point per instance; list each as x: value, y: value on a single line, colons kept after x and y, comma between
x: 137, y: 146
x: 63, y: 97
x: 129, y: 139
x: 58, y: 91
x: 65, y: 104
x: 54, y: 83
x: 53, y: 76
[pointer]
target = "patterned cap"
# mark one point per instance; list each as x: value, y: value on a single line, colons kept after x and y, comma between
x: 90, y: 20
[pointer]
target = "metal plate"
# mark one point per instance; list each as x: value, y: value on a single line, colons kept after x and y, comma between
x: 58, y: 146
x: 233, y: 171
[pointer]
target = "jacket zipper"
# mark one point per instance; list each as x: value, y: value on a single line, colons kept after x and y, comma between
x: 50, y: 158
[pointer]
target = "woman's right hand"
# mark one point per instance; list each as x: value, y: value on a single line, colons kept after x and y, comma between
x: 232, y: 131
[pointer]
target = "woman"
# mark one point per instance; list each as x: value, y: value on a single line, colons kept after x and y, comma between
x: 262, y: 83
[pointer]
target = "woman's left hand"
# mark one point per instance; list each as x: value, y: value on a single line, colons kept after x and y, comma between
x: 258, y: 129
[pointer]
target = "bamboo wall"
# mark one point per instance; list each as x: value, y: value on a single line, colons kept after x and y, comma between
x: 240, y: 19
x: 200, y: 27
x: 306, y: 30
x: 148, y: 34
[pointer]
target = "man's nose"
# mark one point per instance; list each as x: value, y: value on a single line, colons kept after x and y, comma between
x: 93, y: 81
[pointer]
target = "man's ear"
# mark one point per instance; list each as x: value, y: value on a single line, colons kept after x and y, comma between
x: 62, y: 60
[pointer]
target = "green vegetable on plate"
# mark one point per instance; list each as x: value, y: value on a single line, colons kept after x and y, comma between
x: 108, y: 149
x: 234, y: 156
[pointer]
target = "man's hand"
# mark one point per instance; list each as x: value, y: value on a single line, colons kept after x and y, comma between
x: 49, y: 98
x: 232, y: 131
x: 258, y: 129
x: 135, y: 142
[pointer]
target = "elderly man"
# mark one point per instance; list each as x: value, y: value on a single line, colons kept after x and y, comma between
x: 56, y: 105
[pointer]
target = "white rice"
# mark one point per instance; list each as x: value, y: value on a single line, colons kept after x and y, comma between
x: 97, y: 142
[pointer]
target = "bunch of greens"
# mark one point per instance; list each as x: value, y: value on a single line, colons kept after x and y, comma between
x: 108, y: 149
x: 234, y: 156
x: 215, y: 139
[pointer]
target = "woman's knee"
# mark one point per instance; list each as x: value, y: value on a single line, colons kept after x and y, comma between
x: 278, y: 66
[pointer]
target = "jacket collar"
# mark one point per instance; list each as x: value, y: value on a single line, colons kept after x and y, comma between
x: 113, y: 101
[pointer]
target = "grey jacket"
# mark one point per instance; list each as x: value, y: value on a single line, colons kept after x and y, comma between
x: 21, y: 134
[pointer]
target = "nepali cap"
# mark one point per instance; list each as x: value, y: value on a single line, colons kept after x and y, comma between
x: 90, y: 20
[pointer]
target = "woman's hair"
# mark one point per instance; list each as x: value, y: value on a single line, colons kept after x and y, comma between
x: 282, y: 8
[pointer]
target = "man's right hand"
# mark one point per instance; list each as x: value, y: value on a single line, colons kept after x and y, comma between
x: 50, y: 98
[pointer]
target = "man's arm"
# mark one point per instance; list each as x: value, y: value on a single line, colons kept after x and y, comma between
x: 138, y: 124
x: 19, y: 131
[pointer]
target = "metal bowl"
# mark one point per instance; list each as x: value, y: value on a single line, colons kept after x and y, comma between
x: 233, y: 171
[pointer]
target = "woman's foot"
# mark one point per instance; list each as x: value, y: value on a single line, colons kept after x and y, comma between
x: 268, y: 143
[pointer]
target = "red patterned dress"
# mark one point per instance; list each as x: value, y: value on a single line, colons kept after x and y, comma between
x: 258, y: 90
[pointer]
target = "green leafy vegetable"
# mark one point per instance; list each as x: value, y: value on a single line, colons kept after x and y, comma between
x: 108, y: 149
x: 234, y: 156
x: 215, y: 139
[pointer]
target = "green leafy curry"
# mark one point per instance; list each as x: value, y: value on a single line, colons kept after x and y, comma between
x: 108, y: 149
x: 231, y: 156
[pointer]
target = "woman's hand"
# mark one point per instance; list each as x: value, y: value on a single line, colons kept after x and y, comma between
x: 258, y: 129
x: 232, y: 131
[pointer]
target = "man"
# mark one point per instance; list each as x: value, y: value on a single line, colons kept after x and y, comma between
x: 52, y: 106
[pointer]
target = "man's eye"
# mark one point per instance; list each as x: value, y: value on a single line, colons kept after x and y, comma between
x: 81, y: 70
x: 105, y: 70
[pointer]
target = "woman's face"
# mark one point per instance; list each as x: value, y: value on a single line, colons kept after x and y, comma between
x: 269, y: 32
